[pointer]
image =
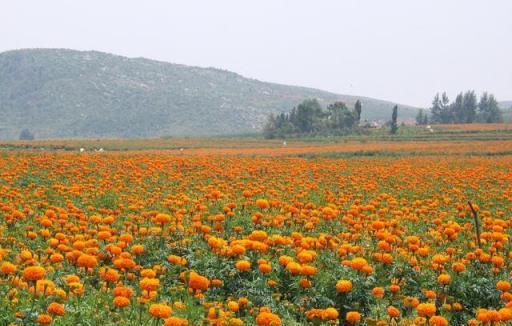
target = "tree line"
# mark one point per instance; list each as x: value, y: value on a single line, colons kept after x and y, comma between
x: 466, y: 108
x: 310, y: 118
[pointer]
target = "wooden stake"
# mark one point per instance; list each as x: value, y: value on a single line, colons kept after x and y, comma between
x: 477, y: 225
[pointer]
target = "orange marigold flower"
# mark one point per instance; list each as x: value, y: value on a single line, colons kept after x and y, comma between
x: 426, y: 309
x: 378, y: 292
x: 268, y: 319
x: 159, y: 310
x: 176, y: 321
x: 8, y: 268
x: 56, y: 308
x: 393, y: 312
x: 121, y: 302
x: 243, y: 265
x: 344, y: 286
x: 198, y: 282
x: 262, y: 203
x: 438, y: 321
x: 503, y: 286
x: 149, y: 284
x: 353, y: 317
x: 444, y: 279
x: 34, y: 273
x: 44, y: 319
x: 123, y: 291
x: 87, y: 261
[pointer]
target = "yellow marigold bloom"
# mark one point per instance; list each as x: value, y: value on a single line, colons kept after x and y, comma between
x: 426, y: 309
x: 243, y: 265
x: 444, y: 279
x: 34, y: 273
x: 294, y: 268
x: 344, y: 286
x: 233, y: 306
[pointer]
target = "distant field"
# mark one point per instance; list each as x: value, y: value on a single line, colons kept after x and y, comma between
x: 477, y: 139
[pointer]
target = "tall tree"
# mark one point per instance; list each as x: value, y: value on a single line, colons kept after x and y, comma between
x: 394, y: 118
x: 357, y: 111
x: 494, y: 112
x: 469, y: 106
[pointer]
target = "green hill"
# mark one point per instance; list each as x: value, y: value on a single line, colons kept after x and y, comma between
x: 58, y: 93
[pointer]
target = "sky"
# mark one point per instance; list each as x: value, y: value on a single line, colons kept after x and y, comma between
x: 399, y: 50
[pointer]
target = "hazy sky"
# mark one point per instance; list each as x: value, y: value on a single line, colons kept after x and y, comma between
x: 400, y: 50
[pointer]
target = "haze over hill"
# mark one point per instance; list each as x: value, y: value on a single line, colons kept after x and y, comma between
x: 57, y: 93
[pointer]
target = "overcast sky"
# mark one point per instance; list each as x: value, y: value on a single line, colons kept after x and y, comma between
x: 399, y: 50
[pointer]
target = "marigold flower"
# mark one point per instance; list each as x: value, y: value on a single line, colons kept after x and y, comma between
x: 86, y: 261
x: 243, y: 265
x: 437, y: 321
x: 121, y: 302
x: 34, y: 273
x: 175, y: 321
x: 56, y: 308
x: 353, y: 317
x: 426, y: 309
x: 344, y: 286
x: 198, y: 282
x: 159, y: 310
x: 503, y: 286
x: 44, y: 319
x: 8, y: 268
x: 268, y: 319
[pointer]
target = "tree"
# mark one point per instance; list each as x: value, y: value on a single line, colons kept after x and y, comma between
x: 26, y: 135
x: 421, y: 118
x: 394, y: 117
x: 494, y: 112
x: 488, y: 109
x: 306, y: 113
x: 340, y: 117
x: 469, y: 106
x: 357, y: 111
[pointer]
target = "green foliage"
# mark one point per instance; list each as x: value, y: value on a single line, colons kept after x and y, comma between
x: 466, y: 109
x: 69, y: 94
x: 309, y: 118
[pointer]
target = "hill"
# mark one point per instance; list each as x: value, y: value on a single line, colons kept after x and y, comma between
x: 58, y: 93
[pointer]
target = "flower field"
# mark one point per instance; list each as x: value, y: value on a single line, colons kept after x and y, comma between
x: 158, y: 238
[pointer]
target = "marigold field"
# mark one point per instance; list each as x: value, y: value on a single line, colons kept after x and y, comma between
x: 160, y: 238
